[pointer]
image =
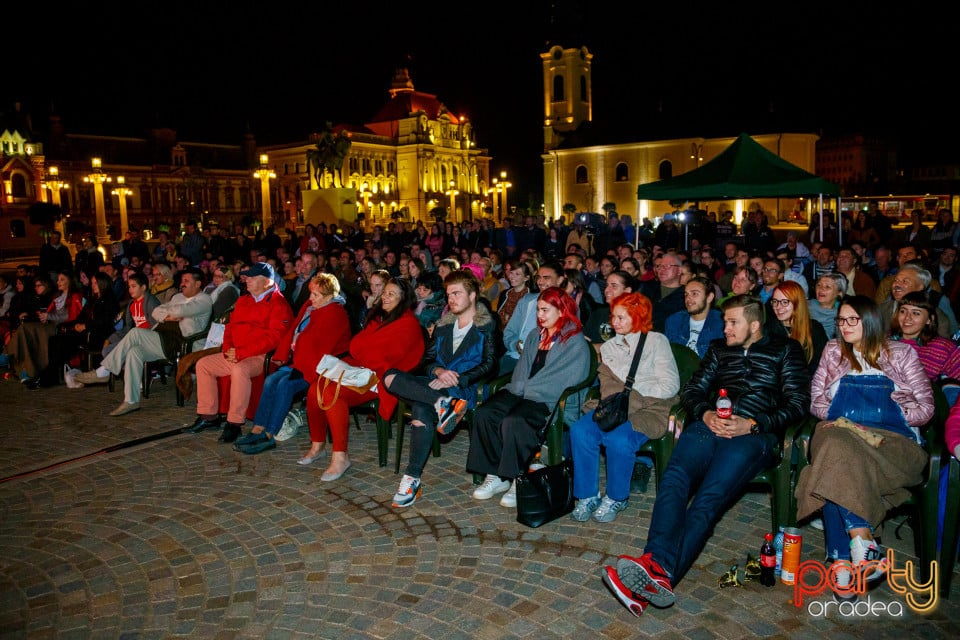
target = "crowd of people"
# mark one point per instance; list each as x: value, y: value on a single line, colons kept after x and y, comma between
x: 788, y: 329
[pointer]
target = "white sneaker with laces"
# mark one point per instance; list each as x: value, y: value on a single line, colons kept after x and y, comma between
x: 408, y: 492
x: 868, y: 551
x: 509, y: 499
x: 608, y: 509
x: 491, y: 486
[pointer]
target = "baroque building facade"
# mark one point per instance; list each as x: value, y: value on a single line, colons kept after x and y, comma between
x: 413, y: 158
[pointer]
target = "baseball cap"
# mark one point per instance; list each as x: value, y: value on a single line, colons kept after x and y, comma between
x: 260, y: 269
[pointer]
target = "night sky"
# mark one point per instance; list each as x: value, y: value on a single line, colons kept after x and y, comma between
x: 211, y: 70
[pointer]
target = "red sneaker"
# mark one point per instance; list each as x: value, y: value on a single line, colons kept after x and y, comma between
x: 633, y: 602
x: 645, y: 577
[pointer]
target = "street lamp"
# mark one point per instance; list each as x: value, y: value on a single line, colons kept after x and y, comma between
x: 265, y: 173
x: 97, y: 177
x: 452, y: 192
x: 55, y: 184
x: 504, y: 185
x: 696, y: 152
x: 122, y: 191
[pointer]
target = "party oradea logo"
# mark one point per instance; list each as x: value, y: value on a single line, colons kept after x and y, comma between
x: 813, y: 578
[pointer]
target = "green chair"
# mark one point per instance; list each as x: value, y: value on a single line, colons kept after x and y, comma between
x: 780, y: 478
x: 554, y: 438
x: 951, y: 524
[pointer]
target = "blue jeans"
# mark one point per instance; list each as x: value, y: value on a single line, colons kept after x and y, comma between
x: 621, y: 446
x: 714, y: 471
x: 279, y: 390
x: 837, y: 521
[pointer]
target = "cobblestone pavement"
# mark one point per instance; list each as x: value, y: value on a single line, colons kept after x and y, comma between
x: 183, y: 537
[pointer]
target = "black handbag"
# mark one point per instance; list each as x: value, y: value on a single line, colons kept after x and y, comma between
x: 545, y: 494
x: 614, y: 410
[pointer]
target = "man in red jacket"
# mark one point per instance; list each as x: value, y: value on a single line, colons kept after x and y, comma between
x: 257, y: 325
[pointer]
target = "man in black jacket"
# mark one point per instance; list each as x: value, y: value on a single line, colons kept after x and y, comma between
x: 766, y: 379
x: 462, y: 354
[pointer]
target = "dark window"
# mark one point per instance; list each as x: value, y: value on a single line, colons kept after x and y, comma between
x: 583, y: 88
x: 18, y: 229
x: 558, y: 88
x: 666, y: 170
x: 18, y: 186
x: 623, y: 173
x: 581, y: 175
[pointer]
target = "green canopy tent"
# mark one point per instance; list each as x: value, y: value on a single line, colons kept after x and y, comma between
x: 743, y: 170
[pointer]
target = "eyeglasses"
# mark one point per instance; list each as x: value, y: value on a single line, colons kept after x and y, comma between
x: 661, y: 267
x: 850, y: 321
x: 779, y: 302
x: 771, y: 270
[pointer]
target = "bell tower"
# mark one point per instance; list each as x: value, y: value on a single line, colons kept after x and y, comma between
x: 567, y: 92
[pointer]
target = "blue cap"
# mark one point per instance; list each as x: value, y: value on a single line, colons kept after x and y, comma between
x: 259, y: 269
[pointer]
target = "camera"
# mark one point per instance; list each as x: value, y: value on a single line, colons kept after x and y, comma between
x: 591, y: 222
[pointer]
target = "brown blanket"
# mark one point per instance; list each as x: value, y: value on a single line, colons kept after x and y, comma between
x: 847, y: 470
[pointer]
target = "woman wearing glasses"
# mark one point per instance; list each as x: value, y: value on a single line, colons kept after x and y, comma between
x: 862, y: 465
x: 789, y: 316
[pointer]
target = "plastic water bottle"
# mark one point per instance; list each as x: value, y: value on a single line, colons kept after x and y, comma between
x: 778, y: 547
x: 724, y: 405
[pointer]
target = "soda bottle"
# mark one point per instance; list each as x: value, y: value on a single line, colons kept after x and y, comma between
x: 768, y: 561
x: 724, y: 406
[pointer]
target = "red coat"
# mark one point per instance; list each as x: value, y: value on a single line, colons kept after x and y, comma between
x: 327, y: 332
x: 256, y: 328
x: 398, y: 345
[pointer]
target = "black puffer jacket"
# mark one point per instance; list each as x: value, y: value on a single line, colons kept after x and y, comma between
x: 769, y: 383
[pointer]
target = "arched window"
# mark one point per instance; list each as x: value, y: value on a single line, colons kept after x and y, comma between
x: 583, y: 88
x: 558, y: 88
x: 623, y: 173
x: 666, y: 169
x: 18, y: 186
x: 581, y: 175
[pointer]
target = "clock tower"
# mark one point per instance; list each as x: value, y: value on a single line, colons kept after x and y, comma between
x: 567, y: 92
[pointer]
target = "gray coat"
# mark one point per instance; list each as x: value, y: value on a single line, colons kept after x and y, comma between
x: 568, y: 363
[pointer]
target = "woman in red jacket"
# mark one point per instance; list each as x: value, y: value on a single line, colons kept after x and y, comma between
x: 28, y: 348
x: 392, y: 338
x: 321, y: 327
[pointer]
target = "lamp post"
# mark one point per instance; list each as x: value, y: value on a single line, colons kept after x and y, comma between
x: 97, y: 177
x: 265, y: 173
x: 696, y: 153
x: 122, y: 191
x: 493, y: 191
x: 452, y: 192
x: 55, y: 184
x: 504, y: 185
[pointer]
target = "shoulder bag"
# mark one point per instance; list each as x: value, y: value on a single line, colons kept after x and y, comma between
x: 614, y: 410
x: 545, y: 494
x: 333, y: 370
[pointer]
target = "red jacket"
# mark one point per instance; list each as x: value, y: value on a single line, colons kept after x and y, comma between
x: 256, y: 328
x: 327, y: 332
x: 398, y: 345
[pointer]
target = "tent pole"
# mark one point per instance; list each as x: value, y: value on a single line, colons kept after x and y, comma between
x: 821, y: 217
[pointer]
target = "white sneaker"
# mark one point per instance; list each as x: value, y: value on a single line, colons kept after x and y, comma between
x: 861, y: 551
x: 492, y: 485
x: 509, y: 499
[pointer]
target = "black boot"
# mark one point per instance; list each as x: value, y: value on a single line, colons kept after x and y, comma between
x: 230, y: 433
